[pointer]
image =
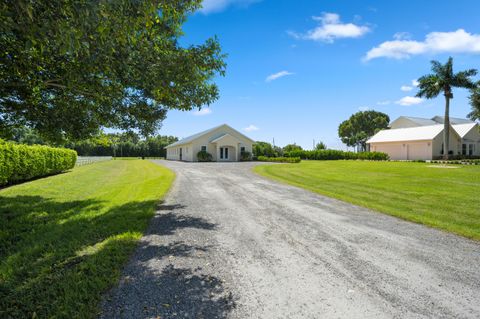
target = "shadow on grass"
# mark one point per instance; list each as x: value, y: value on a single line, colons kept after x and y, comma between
x: 58, y: 258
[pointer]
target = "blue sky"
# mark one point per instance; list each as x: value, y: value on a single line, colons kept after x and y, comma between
x: 296, y: 69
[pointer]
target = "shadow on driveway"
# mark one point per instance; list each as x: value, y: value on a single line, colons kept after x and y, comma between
x: 166, y: 277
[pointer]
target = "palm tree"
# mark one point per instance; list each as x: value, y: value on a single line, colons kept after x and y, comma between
x: 443, y: 80
x: 475, y: 103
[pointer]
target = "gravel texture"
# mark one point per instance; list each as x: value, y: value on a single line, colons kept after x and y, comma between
x: 230, y: 244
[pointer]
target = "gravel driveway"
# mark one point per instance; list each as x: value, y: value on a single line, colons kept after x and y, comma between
x: 230, y: 244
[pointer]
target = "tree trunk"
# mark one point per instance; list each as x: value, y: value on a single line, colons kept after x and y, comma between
x: 446, y: 127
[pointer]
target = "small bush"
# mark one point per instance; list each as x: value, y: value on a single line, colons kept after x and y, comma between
x: 279, y: 159
x: 204, y: 156
x: 337, y: 155
x: 245, y: 156
x: 19, y: 162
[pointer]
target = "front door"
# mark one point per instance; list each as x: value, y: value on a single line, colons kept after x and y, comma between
x: 180, y: 153
x: 224, y: 153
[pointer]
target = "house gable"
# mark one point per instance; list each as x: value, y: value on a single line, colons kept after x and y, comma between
x: 212, y: 140
x: 213, y: 133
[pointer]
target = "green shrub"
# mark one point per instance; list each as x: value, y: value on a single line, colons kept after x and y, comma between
x: 245, y: 156
x: 204, y: 156
x: 337, y: 155
x: 19, y: 162
x: 279, y: 159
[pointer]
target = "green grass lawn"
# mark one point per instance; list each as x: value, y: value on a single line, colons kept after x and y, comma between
x: 444, y: 198
x: 64, y: 239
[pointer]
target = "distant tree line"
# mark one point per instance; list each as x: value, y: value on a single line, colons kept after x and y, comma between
x: 268, y: 150
x: 127, y: 144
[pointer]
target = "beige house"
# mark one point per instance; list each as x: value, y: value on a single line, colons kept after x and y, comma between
x: 411, y: 138
x: 224, y: 143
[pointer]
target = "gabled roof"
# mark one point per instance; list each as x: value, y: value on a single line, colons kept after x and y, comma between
x: 417, y: 120
x: 219, y: 138
x: 419, y: 133
x: 453, y: 120
x: 193, y: 137
x: 463, y: 129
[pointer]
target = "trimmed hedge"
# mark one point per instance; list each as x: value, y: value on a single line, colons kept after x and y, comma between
x: 19, y: 162
x: 460, y: 162
x: 338, y: 155
x: 279, y: 159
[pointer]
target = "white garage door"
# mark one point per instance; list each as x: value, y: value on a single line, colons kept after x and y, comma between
x: 419, y: 151
x: 393, y: 150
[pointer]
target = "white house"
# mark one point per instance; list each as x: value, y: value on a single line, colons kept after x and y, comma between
x: 411, y: 138
x: 224, y: 143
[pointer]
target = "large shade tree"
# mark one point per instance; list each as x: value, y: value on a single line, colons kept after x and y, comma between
x: 68, y: 67
x: 361, y: 126
x: 443, y: 80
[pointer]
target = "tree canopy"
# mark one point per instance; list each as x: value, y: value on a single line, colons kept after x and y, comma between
x: 361, y: 126
x: 292, y: 147
x: 69, y: 68
x: 263, y: 149
x: 320, y: 146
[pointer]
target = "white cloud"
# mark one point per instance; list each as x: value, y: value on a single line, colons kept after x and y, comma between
x: 384, y: 102
x: 212, y: 6
x: 415, y: 83
x: 402, y: 36
x: 331, y: 28
x: 409, y: 100
x: 406, y: 88
x: 458, y: 41
x: 202, y: 112
x: 277, y: 75
x: 251, y: 128
x: 364, y: 108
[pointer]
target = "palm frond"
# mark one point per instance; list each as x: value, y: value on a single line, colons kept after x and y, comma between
x: 429, y: 86
x: 443, y: 71
x: 463, y: 79
x: 437, y: 67
x: 475, y: 103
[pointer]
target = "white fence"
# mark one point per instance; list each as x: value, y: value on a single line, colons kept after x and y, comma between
x: 85, y: 160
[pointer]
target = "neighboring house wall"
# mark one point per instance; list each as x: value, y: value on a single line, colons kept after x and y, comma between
x: 408, y: 150
x: 453, y: 144
x: 471, y: 140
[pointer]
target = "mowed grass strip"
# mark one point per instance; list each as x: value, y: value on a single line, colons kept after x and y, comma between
x: 445, y: 198
x: 64, y: 239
